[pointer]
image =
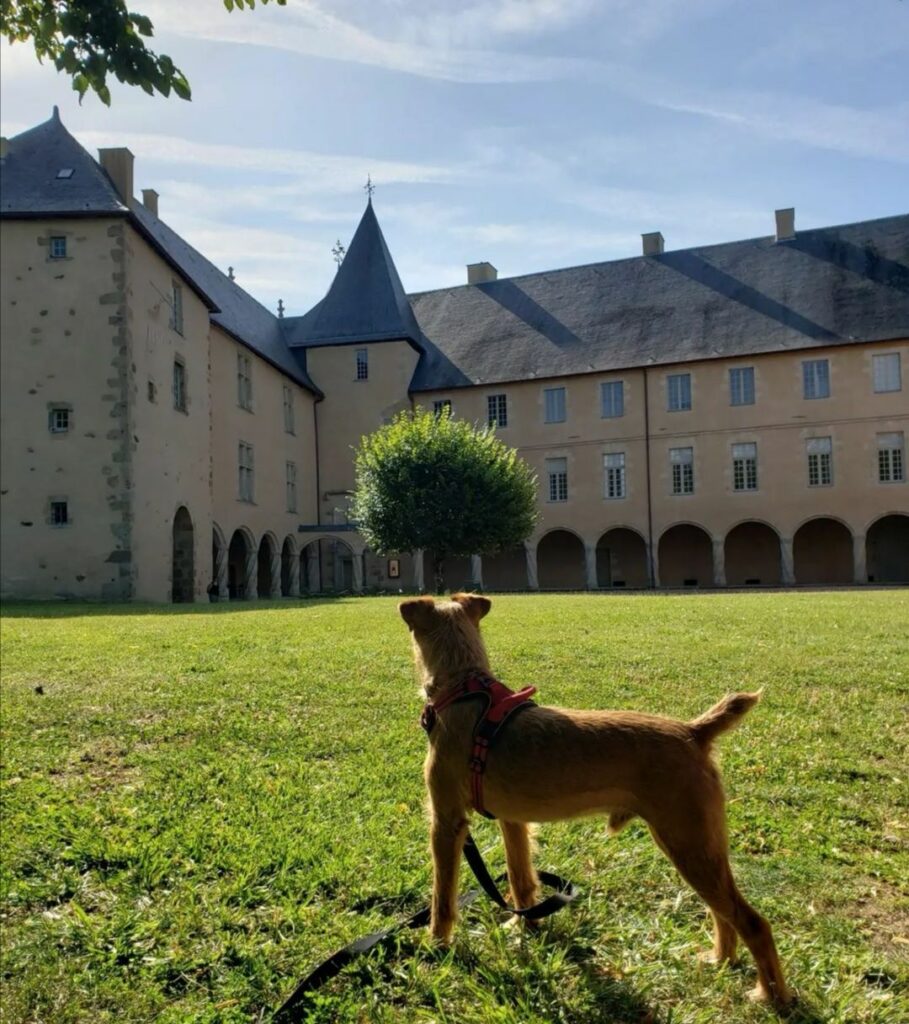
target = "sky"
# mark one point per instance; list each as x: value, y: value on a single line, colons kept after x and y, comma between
x: 534, y: 134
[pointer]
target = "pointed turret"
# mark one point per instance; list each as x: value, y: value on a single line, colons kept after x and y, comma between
x: 366, y: 301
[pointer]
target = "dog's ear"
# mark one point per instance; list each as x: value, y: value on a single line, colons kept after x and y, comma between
x: 418, y: 612
x: 475, y: 605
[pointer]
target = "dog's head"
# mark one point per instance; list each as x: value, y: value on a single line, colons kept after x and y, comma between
x: 446, y: 635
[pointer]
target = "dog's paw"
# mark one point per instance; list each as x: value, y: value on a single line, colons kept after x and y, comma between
x: 782, y: 1001
x: 710, y: 956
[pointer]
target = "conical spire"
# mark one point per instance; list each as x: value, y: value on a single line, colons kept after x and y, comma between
x: 366, y: 301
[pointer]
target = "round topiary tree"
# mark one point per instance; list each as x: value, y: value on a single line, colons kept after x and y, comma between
x: 430, y: 481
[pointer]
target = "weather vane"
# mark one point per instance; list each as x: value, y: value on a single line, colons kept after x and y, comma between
x: 369, y: 188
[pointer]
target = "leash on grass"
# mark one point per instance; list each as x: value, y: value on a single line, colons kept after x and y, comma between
x: 293, y: 1007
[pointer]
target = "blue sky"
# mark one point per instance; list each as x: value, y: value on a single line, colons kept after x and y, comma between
x: 531, y: 133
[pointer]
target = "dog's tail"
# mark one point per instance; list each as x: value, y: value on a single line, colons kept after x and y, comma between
x: 722, y: 716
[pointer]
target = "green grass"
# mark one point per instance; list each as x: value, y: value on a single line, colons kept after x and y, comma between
x: 205, y: 802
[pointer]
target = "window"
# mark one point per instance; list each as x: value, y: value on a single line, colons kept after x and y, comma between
x: 152, y: 391
x: 614, y: 471
x: 497, y: 410
x: 887, y: 372
x: 681, y: 461
x: 59, y: 512
x: 244, y: 381
x: 179, y: 386
x: 58, y: 419
x: 362, y: 364
x: 58, y: 247
x: 744, y: 467
x: 442, y: 406
x: 741, y: 385
x: 245, y: 464
x: 612, y: 399
x: 65, y: 172
x: 678, y: 392
x: 820, y: 461
x: 288, y: 410
x: 554, y: 405
x: 291, y: 485
x: 557, y: 474
x: 176, y: 307
x: 890, y: 458
x: 816, y: 378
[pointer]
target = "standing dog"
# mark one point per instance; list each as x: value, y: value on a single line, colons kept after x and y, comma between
x: 550, y: 763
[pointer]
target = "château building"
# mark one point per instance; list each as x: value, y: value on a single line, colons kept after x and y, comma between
x: 729, y: 415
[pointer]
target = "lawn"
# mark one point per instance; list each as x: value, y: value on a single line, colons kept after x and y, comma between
x: 202, y: 803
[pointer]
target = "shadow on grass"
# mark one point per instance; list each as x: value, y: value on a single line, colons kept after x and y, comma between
x: 80, y: 609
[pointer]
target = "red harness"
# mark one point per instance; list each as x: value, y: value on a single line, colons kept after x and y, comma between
x: 500, y: 704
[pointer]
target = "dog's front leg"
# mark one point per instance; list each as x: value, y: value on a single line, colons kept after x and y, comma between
x: 448, y: 832
x: 525, y: 886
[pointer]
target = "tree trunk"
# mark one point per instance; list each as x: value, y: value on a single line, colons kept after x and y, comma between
x: 438, y: 568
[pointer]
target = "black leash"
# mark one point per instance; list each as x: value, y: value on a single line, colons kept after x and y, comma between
x: 292, y: 1009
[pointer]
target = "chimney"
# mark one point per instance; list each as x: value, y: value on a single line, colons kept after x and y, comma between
x: 653, y: 243
x: 150, y: 200
x: 785, y: 224
x: 119, y: 166
x: 4, y: 147
x: 480, y: 273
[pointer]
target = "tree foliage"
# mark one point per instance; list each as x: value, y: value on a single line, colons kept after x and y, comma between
x: 89, y: 39
x: 429, y: 481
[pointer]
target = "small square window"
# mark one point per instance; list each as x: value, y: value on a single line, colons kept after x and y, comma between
x: 886, y: 372
x: 678, y: 392
x: 59, y: 419
x: 59, y: 513
x: 741, y: 385
x: 497, y: 410
x: 554, y: 405
x: 816, y: 378
x: 362, y: 364
x: 58, y: 247
x: 442, y: 407
x: 612, y: 399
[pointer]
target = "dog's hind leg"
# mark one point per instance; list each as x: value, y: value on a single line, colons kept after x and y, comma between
x: 525, y: 886
x: 447, y: 836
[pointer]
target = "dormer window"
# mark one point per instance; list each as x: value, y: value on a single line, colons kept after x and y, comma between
x: 58, y: 247
x: 65, y: 172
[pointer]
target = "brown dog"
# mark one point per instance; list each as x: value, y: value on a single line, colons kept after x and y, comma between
x: 550, y: 763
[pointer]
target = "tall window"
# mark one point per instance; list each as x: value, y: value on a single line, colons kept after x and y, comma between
x: 744, y: 466
x: 362, y: 364
x: 244, y: 381
x: 497, y: 410
x: 176, y: 307
x: 59, y: 512
x: 57, y: 247
x: 441, y: 406
x: 557, y: 475
x: 291, y: 485
x: 553, y: 405
x: 891, y: 462
x: 288, y: 410
x: 58, y: 419
x: 682, y: 462
x: 614, y: 474
x: 741, y: 385
x: 612, y: 399
x: 246, y: 472
x: 678, y: 392
x: 179, y: 385
x: 816, y: 378
x: 887, y: 372
x: 820, y: 461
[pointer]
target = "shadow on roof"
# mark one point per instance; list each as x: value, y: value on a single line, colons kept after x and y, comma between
x: 862, y: 260
x: 520, y: 304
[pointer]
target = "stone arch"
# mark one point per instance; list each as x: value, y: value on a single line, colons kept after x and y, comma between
x: 241, y: 554
x: 622, y: 559
x: 330, y: 565
x: 685, y: 553
x: 822, y: 551
x: 455, y: 569
x: 218, y: 582
x: 268, y: 566
x: 561, y: 561
x: 183, y: 574
x: 752, y: 555
x: 290, y: 568
x: 506, y: 570
x: 887, y: 549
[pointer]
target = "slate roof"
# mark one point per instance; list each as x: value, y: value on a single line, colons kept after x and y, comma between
x: 366, y: 300
x: 827, y: 286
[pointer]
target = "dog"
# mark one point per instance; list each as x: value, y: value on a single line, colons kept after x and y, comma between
x: 551, y: 763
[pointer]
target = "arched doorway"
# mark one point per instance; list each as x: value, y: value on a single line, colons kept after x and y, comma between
x: 685, y: 556
x: 822, y: 552
x: 506, y: 570
x: 238, y: 565
x: 289, y: 569
x: 887, y: 550
x: 183, y: 576
x: 560, y: 561
x: 327, y: 567
x: 264, y: 562
x: 752, y: 556
x: 455, y: 572
x: 622, y: 559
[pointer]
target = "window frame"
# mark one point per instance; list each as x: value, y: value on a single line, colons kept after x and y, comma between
x: 820, y: 461
x: 678, y: 392
x: 895, y: 460
x: 681, y: 471
x: 180, y: 400
x: 745, y: 468
x: 813, y: 381
x: 53, y: 412
x: 290, y: 485
x: 554, y: 406
x: 439, y: 405
x: 614, y: 477
x: 361, y: 365
x: 744, y: 393
x: 615, y: 387
x: 290, y: 426
x: 496, y: 404
x: 878, y: 359
x: 246, y: 467
x: 176, y: 306
x: 52, y: 506
x: 557, y: 479
x: 52, y: 246
x: 244, y: 381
